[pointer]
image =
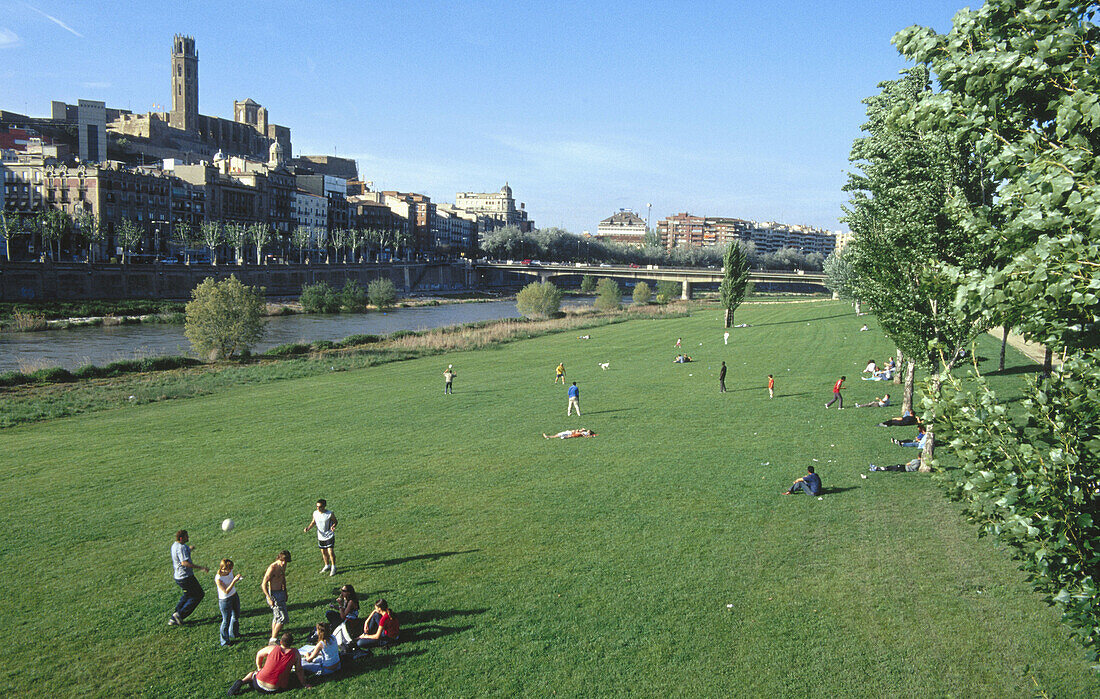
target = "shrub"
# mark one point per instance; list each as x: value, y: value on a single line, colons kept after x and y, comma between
x: 88, y: 371
x: 353, y: 297
x: 14, y: 378
x: 642, y: 293
x: 588, y: 284
x: 539, y: 300
x: 287, y: 350
x: 608, y: 295
x: 353, y: 340
x: 319, y: 298
x: 382, y: 293
x: 324, y: 345
x: 224, y: 317
x: 25, y: 321
x: 52, y: 375
x: 667, y: 291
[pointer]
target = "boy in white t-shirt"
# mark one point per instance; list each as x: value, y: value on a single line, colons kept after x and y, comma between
x: 325, y: 522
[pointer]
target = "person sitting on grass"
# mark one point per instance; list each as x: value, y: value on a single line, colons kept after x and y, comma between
x: 681, y: 359
x: 908, y: 467
x: 273, y: 667
x: 381, y: 629
x: 345, y: 607
x: 922, y: 438
x: 568, y: 434
x: 871, y: 367
x: 322, y: 658
x: 810, y: 484
x: 876, y: 403
x: 907, y: 418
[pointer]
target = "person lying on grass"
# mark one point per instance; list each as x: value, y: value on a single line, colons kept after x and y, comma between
x: 567, y: 434
x: 876, y: 403
x: 907, y: 419
x: 810, y: 484
x: 908, y: 467
x: 273, y: 667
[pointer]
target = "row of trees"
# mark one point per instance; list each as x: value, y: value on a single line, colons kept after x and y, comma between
x: 974, y: 206
x: 558, y: 245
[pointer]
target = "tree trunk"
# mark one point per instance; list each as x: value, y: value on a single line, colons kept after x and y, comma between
x: 1048, y: 361
x: 1004, y: 343
x: 897, y: 369
x: 907, y: 392
x: 930, y: 443
x: 729, y: 317
x: 858, y: 309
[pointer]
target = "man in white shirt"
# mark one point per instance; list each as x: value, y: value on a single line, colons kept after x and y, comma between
x: 325, y: 522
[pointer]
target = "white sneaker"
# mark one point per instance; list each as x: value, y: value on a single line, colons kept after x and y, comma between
x: 332, y: 571
x: 324, y: 569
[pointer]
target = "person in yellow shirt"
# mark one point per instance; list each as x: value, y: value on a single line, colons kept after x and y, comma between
x: 559, y: 373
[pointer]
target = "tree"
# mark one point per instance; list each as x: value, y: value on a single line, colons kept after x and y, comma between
x: 10, y: 226
x: 735, y: 280
x: 319, y: 298
x: 51, y: 227
x: 184, y: 235
x: 839, y: 276
x: 353, y: 297
x: 299, y: 238
x: 382, y: 293
x: 539, y: 300
x: 260, y: 235
x: 128, y: 235
x: 666, y: 291
x: 588, y: 284
x: 236, y: 234
x: 1018, y: 84
x: 608, y: 295
x: 212, y: 235
x: 642, y: 293
x: 224, y: 317
x: 340, y: 242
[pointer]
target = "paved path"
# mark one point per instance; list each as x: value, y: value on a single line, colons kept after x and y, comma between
x: 1033, y: 351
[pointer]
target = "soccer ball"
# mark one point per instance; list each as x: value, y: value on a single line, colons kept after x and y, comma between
x: 227, y: 525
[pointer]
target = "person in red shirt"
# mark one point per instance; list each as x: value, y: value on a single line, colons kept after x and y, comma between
x: 771, y: 386
x: 836, y: 393
x: 274, y: 664
x: 381, y: 628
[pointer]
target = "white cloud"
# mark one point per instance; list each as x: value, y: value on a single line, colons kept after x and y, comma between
x: 9, y: 39
x: 56, y: 21
x: 96, y: 85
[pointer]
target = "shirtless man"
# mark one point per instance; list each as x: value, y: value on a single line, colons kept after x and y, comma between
x: 274, y: 587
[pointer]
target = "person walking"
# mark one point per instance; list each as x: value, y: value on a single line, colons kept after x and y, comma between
x: 836, y: 393
x: 574, y: 400
x: 559, y: 373
x: 722, y: 378
x: 325, y: 522
x: 274, y: 589
x: 771, y: 386
x: 448, y: 379
x: 677, y: 342
x: 229, y: 603
x: 183, y: 571
x: 726, y: 337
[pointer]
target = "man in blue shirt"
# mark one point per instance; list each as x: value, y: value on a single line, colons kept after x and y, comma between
x: 574, y: 400
x: 810, y: 483
x: 183, y: 571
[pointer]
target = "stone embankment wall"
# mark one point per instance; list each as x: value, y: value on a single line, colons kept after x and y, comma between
x: 46, y: 281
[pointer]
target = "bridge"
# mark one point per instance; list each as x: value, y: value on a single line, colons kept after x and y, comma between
x: 685, y: 276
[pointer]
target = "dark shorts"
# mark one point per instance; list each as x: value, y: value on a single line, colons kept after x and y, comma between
x: 326, y: 543
x: 261, y: 690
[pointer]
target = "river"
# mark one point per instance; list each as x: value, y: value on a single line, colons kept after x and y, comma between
x: 102, y: 345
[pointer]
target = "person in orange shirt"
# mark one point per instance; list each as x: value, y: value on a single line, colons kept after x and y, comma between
x: 836, y: 393
x: 771, y: 386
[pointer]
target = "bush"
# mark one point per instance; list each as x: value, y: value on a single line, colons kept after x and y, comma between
x: 667, y: 291
x: 354, y: 340
x: 382, y: 293
x: 287, y: 350
x: 319, y: 298
x: 224, y: 317
x: 642, y: 293
x: 353, y: 297
x: 324, y: 345
x: 539, y: 300
x: 14, y: 378
x: 608, y: 295
x: 52, y: 375
x: 588, y: 284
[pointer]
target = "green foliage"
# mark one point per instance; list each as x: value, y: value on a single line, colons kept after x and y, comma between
x: 588, y: 284
x: 224, y: 317
x: 382, y: 293
x: 324, y: 345
x: 839, y: 276
x: 360, y: 339
x: 735, y: 280
x: 539, y: 300
x: 319, y: 298
x: 642, y: 293
x: 608, y: 295
x: 287, y: 350
x: 353, y: 297
x: 127, y: 234
x: 667, y: 291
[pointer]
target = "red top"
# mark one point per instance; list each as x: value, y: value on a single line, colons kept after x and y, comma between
x: 390, y: 628
x: 276, y: 667
x: 836, y: 388
x: 771, y: 382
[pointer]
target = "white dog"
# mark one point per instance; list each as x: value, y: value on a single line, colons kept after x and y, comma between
x: 604, y: 365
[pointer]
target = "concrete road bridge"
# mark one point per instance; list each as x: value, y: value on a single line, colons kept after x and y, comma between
x: 685, y: 276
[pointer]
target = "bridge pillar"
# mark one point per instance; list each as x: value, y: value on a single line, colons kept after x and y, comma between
x: 686, y: 293
x: 544, y: 277
x: 408, y: 280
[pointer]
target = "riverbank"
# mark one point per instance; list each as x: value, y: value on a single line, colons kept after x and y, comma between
x: 52, y: 394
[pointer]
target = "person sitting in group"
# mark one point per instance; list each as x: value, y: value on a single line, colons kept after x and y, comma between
x: 681, y: 359
x: 345, y: 607
x: 909, y: 466
x: 381, y: 629
x: 810, y: 483
x: 876, y: 403
x: 322, y: 658
x: 871, y: 367
x: 887, y: 371
x: 907, y: 418
x: 922, y: 438
x: 568, y: 434
x: 274, y: 663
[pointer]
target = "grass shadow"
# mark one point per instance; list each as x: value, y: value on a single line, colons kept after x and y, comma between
x: 409, y: 559
x: 835, y: 490
x: 1016, y: 370
x: 613, y: 410
x: 801, y: 320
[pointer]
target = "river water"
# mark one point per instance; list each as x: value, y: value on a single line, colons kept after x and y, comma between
x: 102, y: 345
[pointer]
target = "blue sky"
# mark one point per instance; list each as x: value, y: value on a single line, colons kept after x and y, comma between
x: 743, y: 109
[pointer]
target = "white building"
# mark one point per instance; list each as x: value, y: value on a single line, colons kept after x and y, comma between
x: 624, y: 227
x: 310, y: 211
x: 453, y: 229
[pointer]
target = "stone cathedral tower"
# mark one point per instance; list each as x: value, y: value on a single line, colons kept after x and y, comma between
x: 185, y: 84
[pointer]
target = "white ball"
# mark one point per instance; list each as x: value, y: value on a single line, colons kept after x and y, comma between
x: 227, y: 525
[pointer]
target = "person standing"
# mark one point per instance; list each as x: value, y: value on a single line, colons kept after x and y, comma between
x: 677, y: 342
x: 722, y: 378
x: 771, y: 386
x: 274, y: 589
x: 325, y: 522
x: 574, y: 400
x: 183, y: 571
x: 559, y: 373
x: 229, y: 602
x: 726, y: 337
x: 836, y: 393
x: 448, y: 379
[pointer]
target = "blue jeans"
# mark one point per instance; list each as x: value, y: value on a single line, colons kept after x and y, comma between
x: 801, y: 488
x: 231, y: 614
x: 192, y: 595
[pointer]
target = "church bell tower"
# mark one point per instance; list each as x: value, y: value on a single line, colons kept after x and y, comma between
x: 185, y: 84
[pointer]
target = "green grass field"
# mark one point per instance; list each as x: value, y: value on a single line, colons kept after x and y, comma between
x: 518, y: 565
